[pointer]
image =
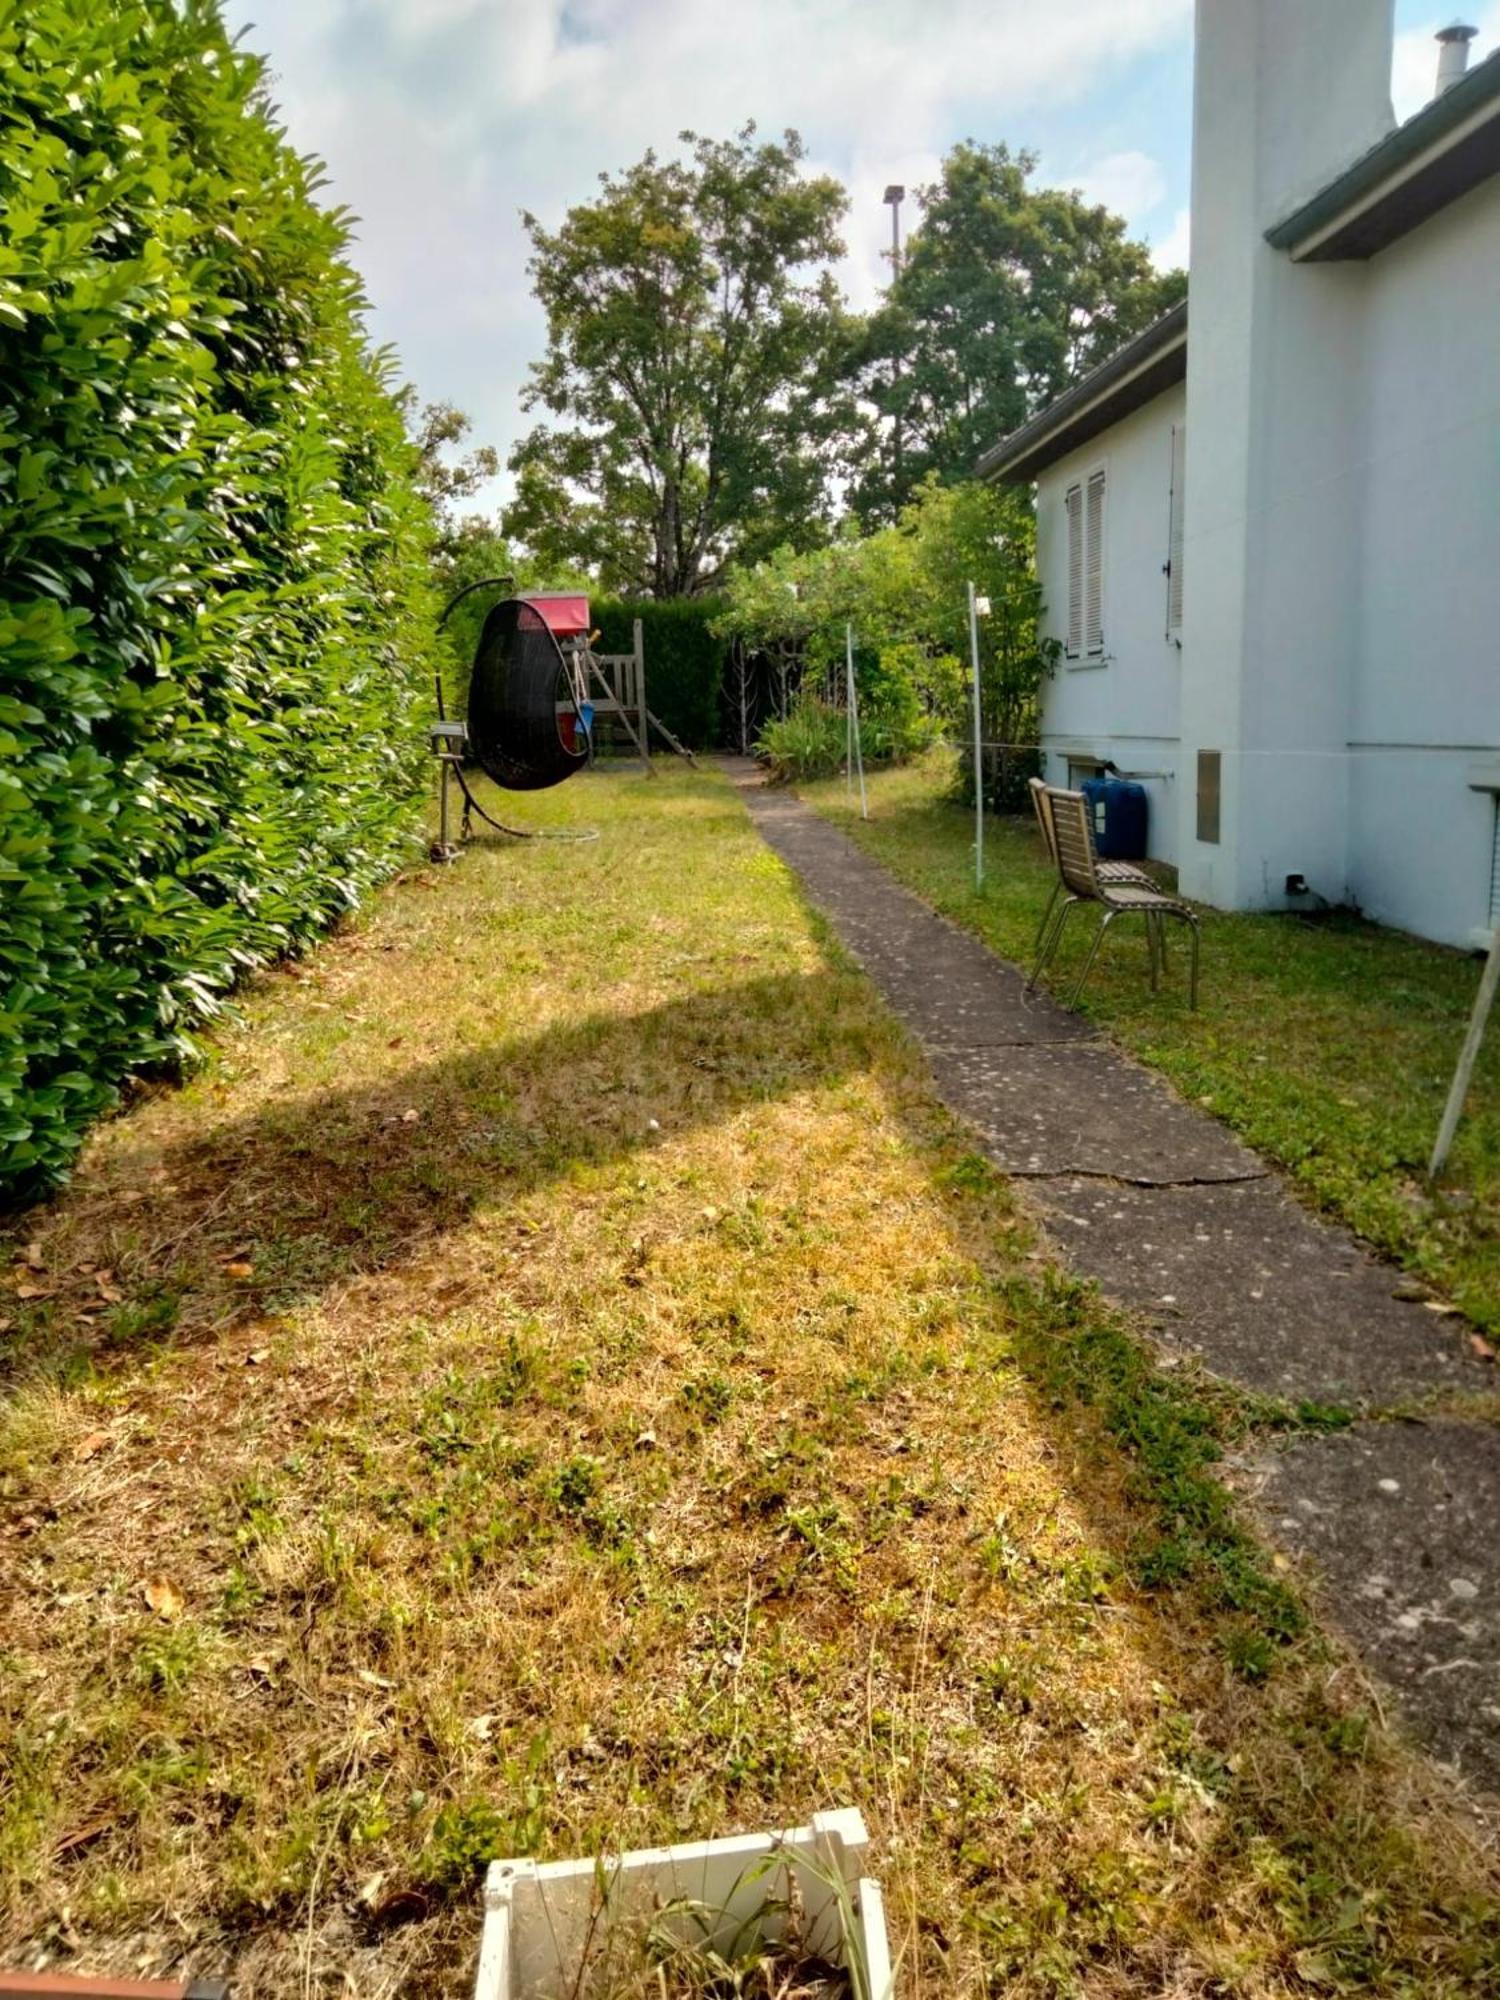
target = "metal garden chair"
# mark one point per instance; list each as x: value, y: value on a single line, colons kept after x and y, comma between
x: 1081, y: 878
x: 1109, y: 871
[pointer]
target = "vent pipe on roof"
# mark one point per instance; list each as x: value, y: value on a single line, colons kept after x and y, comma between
x: 1453, y: 54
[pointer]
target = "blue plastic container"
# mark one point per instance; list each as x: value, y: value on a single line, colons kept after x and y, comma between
x: 1117, y: 813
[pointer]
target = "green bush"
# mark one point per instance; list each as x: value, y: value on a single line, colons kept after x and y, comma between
x: 213, y: 607
x: 684, y: 659
x: 810, y: 742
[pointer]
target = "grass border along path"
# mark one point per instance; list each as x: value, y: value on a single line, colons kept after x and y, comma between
x: 1327, y: 1044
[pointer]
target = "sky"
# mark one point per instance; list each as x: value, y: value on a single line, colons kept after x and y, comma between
x: 441, y: 120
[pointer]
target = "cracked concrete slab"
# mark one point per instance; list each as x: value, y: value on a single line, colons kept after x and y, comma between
x: 1083, y: 1109
x: 920, y: 961
x: 1174, y: 1218
x: 1264, y: 1294
x: 1397, y: 1523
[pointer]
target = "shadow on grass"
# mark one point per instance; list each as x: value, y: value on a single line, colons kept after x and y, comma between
x: 260, y: 1214
x: 1294, y: 1822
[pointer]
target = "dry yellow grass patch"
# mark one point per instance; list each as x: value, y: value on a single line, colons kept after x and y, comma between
x: 551, y: 1386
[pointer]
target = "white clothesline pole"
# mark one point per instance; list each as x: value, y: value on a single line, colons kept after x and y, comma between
x: 978, y: 754
x: 859, y: 757
x: 1469, y: 1055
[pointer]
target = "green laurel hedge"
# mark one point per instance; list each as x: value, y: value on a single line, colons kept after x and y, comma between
x: 214, y: 612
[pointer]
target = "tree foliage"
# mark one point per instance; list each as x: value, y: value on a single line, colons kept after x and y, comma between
x: 1007, y: 292
x: 904, y: 590
x: 446, y: 473
x: 213, y: 581
x: 696, y: 345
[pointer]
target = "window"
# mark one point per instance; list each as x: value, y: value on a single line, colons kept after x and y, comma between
x: 1093, y: 565
x: 1174, y: 532
x: 1083, y: 507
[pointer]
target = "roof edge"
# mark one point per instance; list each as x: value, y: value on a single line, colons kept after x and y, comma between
x: 1135, y: 374
x: 1433, y: 131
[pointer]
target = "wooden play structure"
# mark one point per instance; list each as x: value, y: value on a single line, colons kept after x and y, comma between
x: 617, y: 691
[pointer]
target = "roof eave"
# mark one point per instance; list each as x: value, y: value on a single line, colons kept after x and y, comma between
x: 1448, y: 148
x: 1141, y: 371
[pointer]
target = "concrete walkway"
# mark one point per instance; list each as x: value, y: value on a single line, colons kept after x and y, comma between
x: 1176, y: 1219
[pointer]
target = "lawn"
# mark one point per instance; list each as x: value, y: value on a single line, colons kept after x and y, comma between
x: 557, y: 1380
x: 1329, y: 1044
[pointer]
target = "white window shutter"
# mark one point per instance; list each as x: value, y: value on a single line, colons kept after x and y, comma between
x: 1073, y: 504
x: 1093, y: 566
x: 1174, y: 532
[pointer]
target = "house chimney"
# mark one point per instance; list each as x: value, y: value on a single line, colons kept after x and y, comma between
x: 1453, y: 54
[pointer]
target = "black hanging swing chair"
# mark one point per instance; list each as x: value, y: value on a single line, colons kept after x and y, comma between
x: 529, y: 717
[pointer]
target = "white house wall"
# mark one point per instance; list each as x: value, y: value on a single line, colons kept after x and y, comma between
x: 1124, y: 706
x: 1425, y: 719
x: 1341, y: 553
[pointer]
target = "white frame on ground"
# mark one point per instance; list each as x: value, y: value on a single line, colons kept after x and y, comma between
x: 544, y: 1919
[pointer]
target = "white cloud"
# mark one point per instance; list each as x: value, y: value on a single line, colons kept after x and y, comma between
x: 1132, y: 184
x: 1170, y: 252
x: 441, y: 119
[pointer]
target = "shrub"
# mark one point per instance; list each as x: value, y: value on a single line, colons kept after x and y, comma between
x: 810, y: 742
x: 807, y: 743
x: 213, y: 612
x: 1007, y: 777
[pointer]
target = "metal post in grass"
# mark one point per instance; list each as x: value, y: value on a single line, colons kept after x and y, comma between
x: 979, y: 607
x: 853, y: 724
x: 1463, y: 1076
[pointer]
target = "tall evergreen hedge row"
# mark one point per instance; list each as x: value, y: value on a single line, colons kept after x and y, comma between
x: 213, y: 597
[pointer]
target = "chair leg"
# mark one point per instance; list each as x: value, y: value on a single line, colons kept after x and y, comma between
x: 1055, y: 933
x: 1041, y: 929
x: 1088, y: 963
x: 1153, y: 948
x: 1192, y: 923
x: 1049, y: 948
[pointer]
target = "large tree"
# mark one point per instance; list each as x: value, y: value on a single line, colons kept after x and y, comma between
x: 696, y: 375
x: 1006, y: 294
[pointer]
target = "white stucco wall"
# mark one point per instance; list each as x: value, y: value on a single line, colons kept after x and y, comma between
x: 1425, y: 716
x: 1124, y: 707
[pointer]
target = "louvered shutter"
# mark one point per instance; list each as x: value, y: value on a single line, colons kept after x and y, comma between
x: 1073, y: 504
x: 1174, y: 531
x: 1093, y: 565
